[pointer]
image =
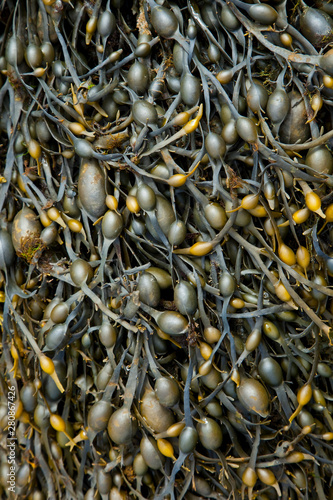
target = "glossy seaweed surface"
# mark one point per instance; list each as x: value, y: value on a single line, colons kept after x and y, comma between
x: 166, y: 260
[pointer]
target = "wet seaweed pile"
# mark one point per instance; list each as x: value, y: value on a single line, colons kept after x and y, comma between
x: 166, y: 255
